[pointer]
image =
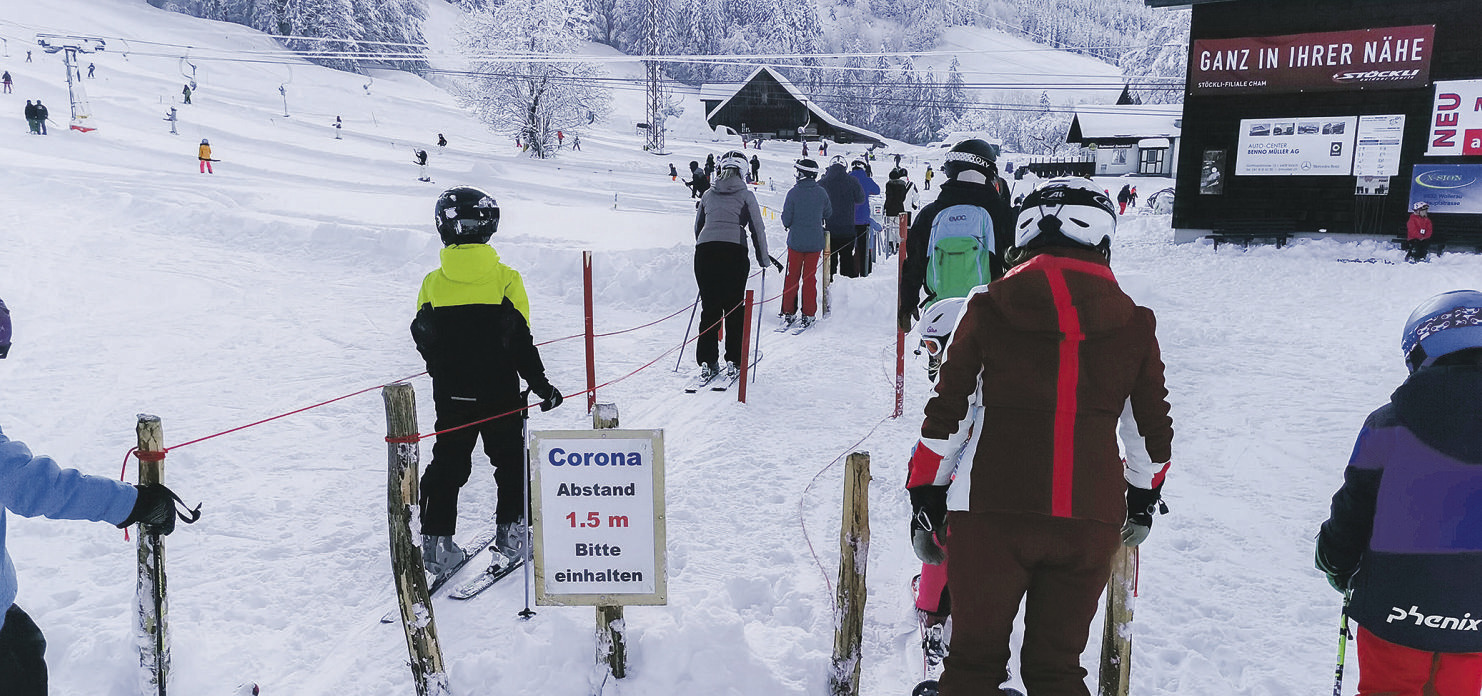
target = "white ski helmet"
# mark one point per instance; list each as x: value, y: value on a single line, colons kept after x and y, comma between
x: 1065, y: 209
x: 1446, y: 323
x: 733, y: 160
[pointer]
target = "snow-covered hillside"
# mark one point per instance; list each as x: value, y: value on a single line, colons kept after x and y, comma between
x: 288, y: 277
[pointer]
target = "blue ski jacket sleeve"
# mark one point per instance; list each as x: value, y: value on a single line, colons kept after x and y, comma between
x: 33, y: 486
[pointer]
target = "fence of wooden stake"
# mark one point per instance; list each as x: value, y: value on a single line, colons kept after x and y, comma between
x: 1116, y: 637
x: 854, y: 552
x: 900, y: 335
x: 151, y: 607
x: 746, y: 344
x: 612, y: 641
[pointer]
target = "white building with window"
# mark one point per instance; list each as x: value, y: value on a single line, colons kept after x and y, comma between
x: 1137, y: 139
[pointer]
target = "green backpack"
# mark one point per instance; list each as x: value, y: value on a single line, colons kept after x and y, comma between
x: 958, y: 251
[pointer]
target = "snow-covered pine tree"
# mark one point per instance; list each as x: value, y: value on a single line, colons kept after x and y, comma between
x: 532, y: 100
x: 954, y: 96
x: 1159, y: 59
x: 393, y: 22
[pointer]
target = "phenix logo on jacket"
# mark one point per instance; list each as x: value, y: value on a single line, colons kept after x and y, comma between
x: 1465, y: 623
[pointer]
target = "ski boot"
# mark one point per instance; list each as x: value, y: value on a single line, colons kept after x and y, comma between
x: 509, y: 544
x: 440, y: 555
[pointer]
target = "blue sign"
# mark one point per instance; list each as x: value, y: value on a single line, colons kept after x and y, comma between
x: 1448, y: 188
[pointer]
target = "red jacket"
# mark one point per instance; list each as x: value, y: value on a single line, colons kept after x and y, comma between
x: 1040, y: 369
x: 1419, y: 227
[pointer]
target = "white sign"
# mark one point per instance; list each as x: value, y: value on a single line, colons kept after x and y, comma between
x: 1310, y: 146
x: 1377, y: 152
x: 1456, y: 119
x: 1372, y: 186
x: 598, y: 510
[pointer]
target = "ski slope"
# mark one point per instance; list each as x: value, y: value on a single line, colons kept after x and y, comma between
x: 289, y: 276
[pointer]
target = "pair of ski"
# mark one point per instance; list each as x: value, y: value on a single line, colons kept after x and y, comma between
x: 485, y: 579
x: 716, y: 382
x: 795, y: 326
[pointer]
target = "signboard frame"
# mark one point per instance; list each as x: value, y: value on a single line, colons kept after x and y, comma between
x: 1447, y: 188
x: 545, y: 597
x: 1455, y: 128
x: 1379, y: 58
x: 1318, y: 132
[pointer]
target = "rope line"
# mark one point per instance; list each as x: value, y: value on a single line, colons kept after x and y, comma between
x: 802, y: 519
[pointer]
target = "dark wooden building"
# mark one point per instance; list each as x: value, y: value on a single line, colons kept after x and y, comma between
x: 1320, y: 115
x: 768, y: 106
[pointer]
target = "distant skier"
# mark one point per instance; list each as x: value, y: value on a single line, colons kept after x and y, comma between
x: 172, y: 117
x: 699, y: 181
x: 926, y: 179
x: 756, y: 170
x: 722, y: 219
x: 576, y: 141
x: 844, y: 193
x: 560, y: 139
x: 950, y: 255
x: 37, y: 487
x: 442, y: 142
x: 5, y: 81
x: 31, y: 118
x: 823, y: 148
x: 473, y: 329
x: 804, y: 211
x: 673, y: 173
x: 1123, y: 198
x: 805, y: 148
x: 1041, y: 498
x: 90, y: 68
x: 861, y: 263
x: 41, y: 115
x: 1419, y: 231
x: 28, y: 56
x: 203, y: 153
x: 1132, y: 197
x: 419, y: 157
x: 710, y: 165
x: 901, y: 198
x: 338, y: 124
x: 1404, y: 536
x: 185, y: 92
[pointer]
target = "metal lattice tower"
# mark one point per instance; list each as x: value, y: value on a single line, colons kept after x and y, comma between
x: 655, y: 142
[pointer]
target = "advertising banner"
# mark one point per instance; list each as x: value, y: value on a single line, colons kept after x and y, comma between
x: 1388, y: 58
x: 1377, y: 152
x: 1448, y: 188
x: 1456, y: 119
x: 597, y: 503
x: 1314, y: 146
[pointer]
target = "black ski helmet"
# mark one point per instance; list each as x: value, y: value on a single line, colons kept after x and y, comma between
x: 4, y: 330
x: 972, y: 154
x: 806, y: 168
x: 466, y: 215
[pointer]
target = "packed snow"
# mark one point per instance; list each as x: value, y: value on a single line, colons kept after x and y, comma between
x: 288, y: 277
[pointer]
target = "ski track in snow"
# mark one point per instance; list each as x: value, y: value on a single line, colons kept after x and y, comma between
x: 288, y: 278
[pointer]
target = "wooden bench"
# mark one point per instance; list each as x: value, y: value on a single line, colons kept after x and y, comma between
x: 1440, y: 243
x: 1246, y: 231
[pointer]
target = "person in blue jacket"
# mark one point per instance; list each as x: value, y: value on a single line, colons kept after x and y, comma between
x: 862, y: 262
x: 844, y: 193
x: 33, y: 486
x: 1405, y: 534
x: 804, y: 211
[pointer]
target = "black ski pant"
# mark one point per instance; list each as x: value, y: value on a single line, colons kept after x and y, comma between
x: 22, y: 655
x: 863, y: 259
x: 452, y: 462
x: 720, y: 271
x: 1057, y: 566
x: 841, y: 254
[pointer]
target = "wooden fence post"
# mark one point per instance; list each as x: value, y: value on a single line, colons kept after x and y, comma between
x: 1115, y: 678
x: 406, y: 557
x: 828, y: 275
x: 746, y: 320
x: 151, y: 608
x: 612, y: 640
x: 854, y: 552
x: 900, y: 336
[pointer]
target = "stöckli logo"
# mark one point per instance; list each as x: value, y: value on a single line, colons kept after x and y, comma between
x: 1375, y: 76
x: 1450, y: 623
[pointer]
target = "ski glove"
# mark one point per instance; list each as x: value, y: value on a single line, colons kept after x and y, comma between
x: 776, y: 264
x: 1340, y: 579
x: 155, y: 510
x: 550, y: 397
x: 929, y: 523
x: 1141, y: 504
x: 907, y: 316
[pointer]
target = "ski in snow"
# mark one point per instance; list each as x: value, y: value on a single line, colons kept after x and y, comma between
x: 785, y: 325
x: 723, y: 383
x: 486, y: 579
x: 699, y: 383
x: 802, y: 325
x: 473, y: 548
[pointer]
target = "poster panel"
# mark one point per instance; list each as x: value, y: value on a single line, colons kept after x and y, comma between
x: 1456, y: 119
x: 1212, y: 173
x: 1307, y: 146
x: 597, y: 503
x: 1385, y: 58
x: 1448, y: 188
x: 1377, y: 151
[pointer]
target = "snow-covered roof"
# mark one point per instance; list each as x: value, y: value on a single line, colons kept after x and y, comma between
x: 719, y: 91
x: 1128, y: 121
x: 797, y: 94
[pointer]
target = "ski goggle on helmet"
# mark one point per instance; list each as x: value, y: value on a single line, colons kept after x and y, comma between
x: 1446, y: 323
x: 734, y: 160
x: 1065, y: 208
x: 4, y: 330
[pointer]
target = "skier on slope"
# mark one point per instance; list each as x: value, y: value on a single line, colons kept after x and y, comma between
x: 473, y: 329
x: 804, y: 211
x: 858, y: 264
x: 933, y: 255
x: 1054, y: 498
x: 419, y: 158
x: 901, y: 198
x: 203, y: 153
x: 844, y: 193
x: 725, y: 213
x: 1405, y: 534
x: 32, y: 486
x: 928, y: 176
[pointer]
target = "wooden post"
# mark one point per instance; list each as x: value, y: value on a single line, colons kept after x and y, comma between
x: 586, y: 271
x: 406, y: 556
x: 612, y: 641
x: 746, y: 344
x: 1116, y: 638
x: 151, y: 608
x: 854, y: 552
x: 828, y: 275
x: 900, y: 336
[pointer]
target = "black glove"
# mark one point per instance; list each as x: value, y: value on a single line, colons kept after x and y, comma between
x: 155, y: 510
x: 776, y: 264
x: 1339, y: 578
x: 907, y: 316
x: 929, y: 523
x: 1141, y: 504
x: 550, y: 397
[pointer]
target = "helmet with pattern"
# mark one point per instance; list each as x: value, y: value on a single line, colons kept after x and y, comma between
x: 1444, y: 324
x: 466, y: 215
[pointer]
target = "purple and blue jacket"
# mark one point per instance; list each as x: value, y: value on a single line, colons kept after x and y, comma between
x: 1409, y: 515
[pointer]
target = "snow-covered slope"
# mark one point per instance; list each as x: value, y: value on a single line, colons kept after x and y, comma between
x: 288, y: 277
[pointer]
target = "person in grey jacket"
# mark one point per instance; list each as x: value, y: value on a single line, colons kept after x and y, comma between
x: 721, y: 222
x: 844, y: 192
x: 806, y: 207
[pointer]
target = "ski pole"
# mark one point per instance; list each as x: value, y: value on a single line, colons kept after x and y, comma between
x: 687, y: 328
x: 529, y: 538
x: 1342, y: 644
